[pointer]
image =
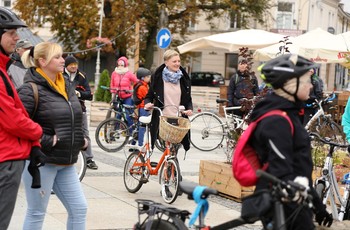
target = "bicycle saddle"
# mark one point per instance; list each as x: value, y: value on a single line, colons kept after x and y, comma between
x: 145, y: 119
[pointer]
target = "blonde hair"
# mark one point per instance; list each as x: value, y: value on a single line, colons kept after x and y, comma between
x: 45, y: 50
x: 169, y: 54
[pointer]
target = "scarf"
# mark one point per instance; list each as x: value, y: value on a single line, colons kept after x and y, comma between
x: 171, y: 77
x: 59, y: 83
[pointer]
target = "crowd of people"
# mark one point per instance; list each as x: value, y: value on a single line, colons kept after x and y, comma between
x: 44, y: 94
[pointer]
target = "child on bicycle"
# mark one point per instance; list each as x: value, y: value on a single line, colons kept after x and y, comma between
x: 288, y: 154
x: 140, y: 92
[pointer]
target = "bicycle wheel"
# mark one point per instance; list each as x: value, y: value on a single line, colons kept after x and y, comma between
x: 207, y: 131
x: 133, y: 172
x: 170, y: 224
x: 169, y: 178
x: 81, y: 165
x: 112, y: 134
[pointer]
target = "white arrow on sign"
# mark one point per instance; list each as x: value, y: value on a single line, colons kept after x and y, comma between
x: 164, y: 37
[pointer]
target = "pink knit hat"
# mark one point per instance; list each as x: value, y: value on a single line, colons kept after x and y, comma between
x: 125, y: 60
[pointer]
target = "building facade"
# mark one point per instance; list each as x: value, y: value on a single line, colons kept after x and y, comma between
x: 287, y: 17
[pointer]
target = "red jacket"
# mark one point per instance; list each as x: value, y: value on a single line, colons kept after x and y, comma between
x: 18, y: 133
x: 142, y: 92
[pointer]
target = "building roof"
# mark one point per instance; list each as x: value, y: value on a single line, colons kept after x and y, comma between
x: 25, y: 33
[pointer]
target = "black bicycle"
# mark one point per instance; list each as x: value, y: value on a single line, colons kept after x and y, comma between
x: 152, y: 215
x: 114, y: 133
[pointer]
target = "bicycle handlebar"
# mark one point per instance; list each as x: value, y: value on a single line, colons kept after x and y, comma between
x: 116, y: 89
x: 188, y: 188
x: 328, y: 98
x: 328, y: 140
x: 290, y: 186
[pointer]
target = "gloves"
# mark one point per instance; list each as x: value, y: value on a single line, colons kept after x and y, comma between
x: 323, y: 217
x: 37, y: 159
x: 77, y: 93
x: 301, y: 195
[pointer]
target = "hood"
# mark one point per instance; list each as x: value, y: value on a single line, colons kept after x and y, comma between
x: 125, y: 60
x: 273, y: 102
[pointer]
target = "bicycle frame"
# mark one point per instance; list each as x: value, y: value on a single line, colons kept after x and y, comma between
x: 320, y: 112
x: 332, y: 193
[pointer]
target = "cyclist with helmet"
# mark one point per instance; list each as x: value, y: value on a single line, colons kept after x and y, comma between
x: 19, y: 135
x: 140, y: 92
x: 287, y: 153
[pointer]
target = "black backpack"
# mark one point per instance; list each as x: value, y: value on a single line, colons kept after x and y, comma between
x: 137, y: 100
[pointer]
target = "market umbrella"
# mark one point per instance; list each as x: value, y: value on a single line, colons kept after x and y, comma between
x: 344, y: 39
x: 317, y: 45
x: 233, y: 41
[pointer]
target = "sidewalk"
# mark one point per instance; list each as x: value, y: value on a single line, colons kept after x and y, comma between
x: 112, y: 207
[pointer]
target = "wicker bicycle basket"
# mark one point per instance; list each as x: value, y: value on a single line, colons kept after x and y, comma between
x: 173, y: 133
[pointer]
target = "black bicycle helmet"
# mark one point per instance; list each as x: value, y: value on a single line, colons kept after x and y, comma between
x: 279, y: 70
x: 9, y: 20
x: 142, y: 72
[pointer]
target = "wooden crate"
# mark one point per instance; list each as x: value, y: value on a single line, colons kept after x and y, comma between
x: 218, y: 175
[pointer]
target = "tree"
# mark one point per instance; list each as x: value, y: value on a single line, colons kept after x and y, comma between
x: 75, y: 21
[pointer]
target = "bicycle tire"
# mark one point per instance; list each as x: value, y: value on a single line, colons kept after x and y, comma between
x: 170, y: 187
x: 132, y: 174
x: 207, y: 131
x: 81, y: 165
x: 320, y: 190
x: 112, y: 134
x: 170, y: 224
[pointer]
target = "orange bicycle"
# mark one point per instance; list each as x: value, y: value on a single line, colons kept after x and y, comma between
x: 138, y: 166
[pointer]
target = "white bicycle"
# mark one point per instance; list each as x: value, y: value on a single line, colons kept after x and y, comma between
x: 208, y: 130
x: 326, y: 185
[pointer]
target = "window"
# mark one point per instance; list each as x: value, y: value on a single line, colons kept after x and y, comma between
x: 284, y: 18
x: 7, y: 3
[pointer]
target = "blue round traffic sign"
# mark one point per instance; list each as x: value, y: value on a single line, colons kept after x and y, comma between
x: 163, y: 38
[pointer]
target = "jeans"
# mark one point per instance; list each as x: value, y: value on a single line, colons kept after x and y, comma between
x: 142, y: 129
x: 64, y: 181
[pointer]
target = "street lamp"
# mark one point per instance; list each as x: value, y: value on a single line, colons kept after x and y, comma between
x: 97, y: 73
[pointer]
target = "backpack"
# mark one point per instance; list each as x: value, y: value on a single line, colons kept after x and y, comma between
x: 136, y: 100
x: 245, y: 160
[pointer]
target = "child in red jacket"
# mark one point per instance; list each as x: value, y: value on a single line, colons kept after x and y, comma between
x: 141, y: 90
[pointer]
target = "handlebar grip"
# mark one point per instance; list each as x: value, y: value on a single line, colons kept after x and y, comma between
x: 104, y: 87
x: 262, y: 174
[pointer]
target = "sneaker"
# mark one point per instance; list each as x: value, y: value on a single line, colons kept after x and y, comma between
x: 91, y: 164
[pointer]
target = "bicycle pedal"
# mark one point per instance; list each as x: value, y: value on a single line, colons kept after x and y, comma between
x: 154, y: 164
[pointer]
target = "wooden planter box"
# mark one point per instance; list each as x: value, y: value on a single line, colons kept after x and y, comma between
x: 218, y: 175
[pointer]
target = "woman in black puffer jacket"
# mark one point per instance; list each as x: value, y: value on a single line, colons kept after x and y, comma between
x: 60, y: 116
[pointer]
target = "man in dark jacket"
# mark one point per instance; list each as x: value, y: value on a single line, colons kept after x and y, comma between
x: 17, y: 70
x: 242, y: 85
x: 79, y: 81
x: 18, y: 133
x: 316, y: 94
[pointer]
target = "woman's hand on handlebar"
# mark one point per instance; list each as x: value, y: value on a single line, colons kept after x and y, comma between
x: 188, y: 112
x: 149, y: 106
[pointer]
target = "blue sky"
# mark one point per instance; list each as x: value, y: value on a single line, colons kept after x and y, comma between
x: 346, y: 5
